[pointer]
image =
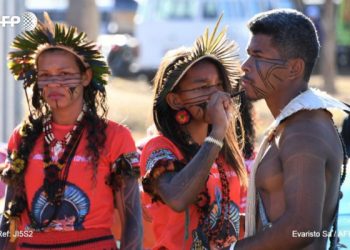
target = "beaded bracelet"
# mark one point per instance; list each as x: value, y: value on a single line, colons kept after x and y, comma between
x: 217, y: 142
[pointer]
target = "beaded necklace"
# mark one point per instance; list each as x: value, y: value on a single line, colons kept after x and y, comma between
x: 55, y: 178
x: 204, y: 219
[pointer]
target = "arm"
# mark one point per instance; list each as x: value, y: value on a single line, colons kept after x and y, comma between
x: 4, y: 226
x: 132, y: 234
x: 179, y: 189
x: 303, y: 159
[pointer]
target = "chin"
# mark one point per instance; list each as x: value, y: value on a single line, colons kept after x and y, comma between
x: 57, y: 106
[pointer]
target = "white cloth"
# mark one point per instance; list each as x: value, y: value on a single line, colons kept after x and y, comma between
x: 309, y: 100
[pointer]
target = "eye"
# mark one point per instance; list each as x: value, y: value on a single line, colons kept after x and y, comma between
x: 42, y: 75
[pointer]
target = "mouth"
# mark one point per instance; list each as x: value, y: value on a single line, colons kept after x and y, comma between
x: 245, y: 81
x: 55, y: 96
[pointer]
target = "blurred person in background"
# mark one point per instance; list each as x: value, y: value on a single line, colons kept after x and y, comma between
x: 294, y: 187
x: 193, y: 170
x: 67, y: 165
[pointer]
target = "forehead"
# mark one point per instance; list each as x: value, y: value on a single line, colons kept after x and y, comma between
x: 261, y: 43
x: 56, y: 58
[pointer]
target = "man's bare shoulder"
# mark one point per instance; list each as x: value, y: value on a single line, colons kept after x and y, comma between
x: 308, y: 132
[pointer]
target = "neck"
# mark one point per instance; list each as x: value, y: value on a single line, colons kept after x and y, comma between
x: 66, y: 116
x: 198, y: 131
x: 277, y: 102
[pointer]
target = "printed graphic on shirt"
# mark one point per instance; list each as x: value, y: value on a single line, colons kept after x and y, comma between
x: 70, y: 215
x: 230, y: 228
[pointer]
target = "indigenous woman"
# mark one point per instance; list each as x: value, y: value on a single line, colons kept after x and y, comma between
x: 193, y: 171
x: 67, y: 163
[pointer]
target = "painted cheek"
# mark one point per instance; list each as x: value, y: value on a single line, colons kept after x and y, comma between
x: 270, y: 74
x: 276, y: 76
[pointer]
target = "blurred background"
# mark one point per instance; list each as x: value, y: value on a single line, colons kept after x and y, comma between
x: 134, y: 35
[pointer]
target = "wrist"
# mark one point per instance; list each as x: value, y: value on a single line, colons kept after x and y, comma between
x: 218, y: 133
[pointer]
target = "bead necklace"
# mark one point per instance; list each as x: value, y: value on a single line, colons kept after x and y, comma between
x: 221, y: 226
x: 55, y: 179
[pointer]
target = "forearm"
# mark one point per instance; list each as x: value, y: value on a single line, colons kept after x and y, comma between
x: 181, y: 189
x: 279, y: 236
x: 4, y: 226
x: 133, y: 232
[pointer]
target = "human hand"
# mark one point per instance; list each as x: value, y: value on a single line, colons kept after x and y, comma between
x: 219, y: 113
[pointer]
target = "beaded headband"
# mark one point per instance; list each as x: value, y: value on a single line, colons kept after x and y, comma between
x: 30, y: 44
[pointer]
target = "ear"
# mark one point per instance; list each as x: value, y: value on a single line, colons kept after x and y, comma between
x: 86, y: 77
x: 174, y: 101
x: 297, y: 68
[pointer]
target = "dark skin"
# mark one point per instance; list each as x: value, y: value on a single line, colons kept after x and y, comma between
x: 5, y: 226
x: 133, y: 228
x: 298, y: 177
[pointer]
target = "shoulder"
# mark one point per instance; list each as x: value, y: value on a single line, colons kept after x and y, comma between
x: 15, y: 137
x: 160, y: 147
x: 310, y: 131
x: 116, y: 131
x: 158, y: 142
x: 114, y: 127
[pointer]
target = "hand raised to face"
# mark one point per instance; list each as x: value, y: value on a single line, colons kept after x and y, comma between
x: 219, y: 110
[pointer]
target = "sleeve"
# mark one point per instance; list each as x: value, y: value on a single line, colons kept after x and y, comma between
x: 13, y: 164
x: 159, y: 156
x: 125, y: 160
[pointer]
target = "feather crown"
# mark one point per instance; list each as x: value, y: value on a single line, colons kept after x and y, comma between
x: 29, y: 45
x: 212, y: 46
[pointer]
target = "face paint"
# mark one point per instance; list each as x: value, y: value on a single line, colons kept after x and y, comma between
x: 267, y: 70
x: 66, y: 80
x: 202, y: 88
x: 72, y: 90
x: 195, y: 100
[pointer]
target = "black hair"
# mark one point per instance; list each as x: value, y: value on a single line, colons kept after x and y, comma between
x: 293, y: 34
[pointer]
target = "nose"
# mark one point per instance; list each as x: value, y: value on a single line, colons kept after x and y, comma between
x: 246, y: 65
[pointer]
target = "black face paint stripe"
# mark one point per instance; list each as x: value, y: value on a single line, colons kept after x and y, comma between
x: 72, y: 90
x: 196, y: 100
x: 270, y: 71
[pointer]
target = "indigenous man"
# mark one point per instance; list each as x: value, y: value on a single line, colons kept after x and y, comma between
x: 294, y: 184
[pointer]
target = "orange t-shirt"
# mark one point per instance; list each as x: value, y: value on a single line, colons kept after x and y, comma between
x: 86, y: 203
x: 169, y: 226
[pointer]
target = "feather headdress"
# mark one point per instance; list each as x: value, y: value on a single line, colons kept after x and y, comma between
x: 214, y: 46
x: 30, y: 44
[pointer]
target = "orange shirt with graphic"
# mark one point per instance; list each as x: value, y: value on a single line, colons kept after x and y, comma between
x: 87, y: 203
x: 170, y: 228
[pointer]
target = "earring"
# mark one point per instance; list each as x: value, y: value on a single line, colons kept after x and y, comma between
x: 183, y: 117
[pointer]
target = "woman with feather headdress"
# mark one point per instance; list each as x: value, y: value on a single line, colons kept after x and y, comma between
x: 66, y: 162
x: 193, y: 171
